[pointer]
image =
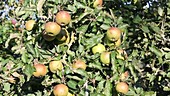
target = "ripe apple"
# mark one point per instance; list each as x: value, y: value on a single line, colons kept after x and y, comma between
x: 55, y: 65
x: 63, y: 18
x: 48, y: 37
x: 30, y: 25
x: 105, y: 57
x: 61, y: 39
x: 52, y: 28
x: 118, y: 42
x: 97, y: 3
x: 41, y: 70
x: 122, y: 87
x: 79, y: 64
x: 62, y: 36
x: 113, y: 34
x: 60, y: 90
x: 98, y: 48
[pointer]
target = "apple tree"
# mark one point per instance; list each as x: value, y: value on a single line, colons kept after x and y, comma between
x: 84, y: 48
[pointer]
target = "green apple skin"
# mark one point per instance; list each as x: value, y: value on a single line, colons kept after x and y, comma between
x: 105, y: 58
x: 98, y: 48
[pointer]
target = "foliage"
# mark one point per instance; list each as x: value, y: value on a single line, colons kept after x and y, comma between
x: 145, y: 39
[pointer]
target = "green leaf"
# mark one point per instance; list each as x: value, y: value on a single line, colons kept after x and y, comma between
x: 145, y: 29
x: 73, y: 77
x: 168, y: 74
x: 107, y: 20
x: 135, y: 1
x: 114, y: 77
x: 29, y: 71
x: 95, y: 39
x: 97, y: 94
x: 6, y: 87
x: 156, y: 51
x: 113, y: 61
x: 98, y: 78
x: 119, y: 20
x: 123, y: 26
x: 100, y: 18
x: 82, y: 82
x: 167, y: 55
x: 79, y: 5
x: 150, y: 93
x: 19, y: 11
x: 37, y: 53
x: 151, y: 78
x: 137, y: 19
x: 100, y: 86
x: 71, y: 53
x: 30, y: 49
x: 81, y: 72
x: 72, y: 8
x: 160, y: 11
x: 72, y: 84
x: 92, y: 65
x: 81, y: 48
x: 24, y: 57
x: 80, y: 17
x: 105, y: 26
x: 166, y: 88
x: 108, y: 88
x: 155, y: 28
x: 82, y: 29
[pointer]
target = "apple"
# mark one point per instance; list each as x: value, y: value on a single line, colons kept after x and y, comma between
x: 48, y: 37
x: 98, y: 48
x: 60, y: 90
x: 118, y: 42
x: 40, y: 70
x: 122, y: 87
x: 55, y: 66
x: 105, y: 58
x: 52, y: 28
x: 97, y: 3
x: 63, y: 18
x: 62, y: 36
x: 30, y: 25
x: 113, y: 34
x: 69, y: 94
x: 124, y: 76
x: 79, y: 64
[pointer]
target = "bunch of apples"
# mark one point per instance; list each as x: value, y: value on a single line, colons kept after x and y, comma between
x: 53, y: 30
x: 113, y: 37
